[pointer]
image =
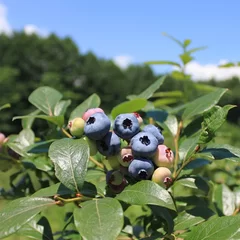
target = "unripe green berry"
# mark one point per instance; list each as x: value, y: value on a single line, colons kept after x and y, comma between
x: 76, y: 127
x: 161, y: 176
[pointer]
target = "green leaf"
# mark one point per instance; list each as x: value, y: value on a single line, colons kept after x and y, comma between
x: 39, y: 147
x: 70, y: 158
x: 223, y: 151
x: 203, y: 104
x: 147, y: 93
x: 129, y: 107
x: 185, y: 220
x: 165, y: 102
x: 36, y: 229
x: 187, y: 147
x: 24, y: 139
x: 91, y: 102
x: 52, y: 190
x: 194, y: 182
x: 57, y: 120
x: 20, y: 211
x: 186, y: 58
x: 224, y: 199
x: 28, y: 122
x: 227, y: 65
x: 213, y: 120
x: 221, y: 228
x: 61, y: 107
x: 197, y: 163
x: 193, y: 50
x: 174, y: 39
x: 147, y: 192
x: 7, y: 105
x: 100, y: 219
x: 187, y: 42
x: 168, y: 94
x: 45, y: 99
x: 179, y: 75
x: 40, y: 162
x: 163, y: 63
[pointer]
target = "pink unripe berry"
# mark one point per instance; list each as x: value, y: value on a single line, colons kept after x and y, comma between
x: 162, y: 176
x: 164, y: 156
x: 90, y: 112
x: 76, y: 127
x: 126, y: 156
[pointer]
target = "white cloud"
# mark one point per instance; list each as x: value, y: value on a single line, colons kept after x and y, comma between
x: 211, y: 71
x: 4, y: 24
x: 123, y: 61
x: 31, y: 29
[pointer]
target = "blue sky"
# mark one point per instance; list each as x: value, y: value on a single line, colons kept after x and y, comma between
x: 133, y: 28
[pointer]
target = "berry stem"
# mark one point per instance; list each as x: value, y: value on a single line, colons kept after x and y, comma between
x: 96, y: 162
x: 66, y: 133
x: 176, y: 139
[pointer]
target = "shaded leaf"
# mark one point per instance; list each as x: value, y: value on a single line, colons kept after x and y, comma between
x: 70, y: 158
x: 203, y: 104
x: 91, y: 102
x: 129, y: 107
x: 39, y: 147
x: 146, y: 192
x: 99, y: 219
x: 50, y: 191
x: 20, y: 211
x: 45, y: 99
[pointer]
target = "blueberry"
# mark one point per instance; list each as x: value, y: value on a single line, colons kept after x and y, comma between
x: 90, y: 112
x: 141, y: 168
x: 109, y: 145
x: 144, y: 144
x: 155, y: 131
x: 126, y: 125
x: 97, y: 126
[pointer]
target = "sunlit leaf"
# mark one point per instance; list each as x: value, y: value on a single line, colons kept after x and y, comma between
x: 45, y: 99
x: 70, y: 158
x: 100, y: 219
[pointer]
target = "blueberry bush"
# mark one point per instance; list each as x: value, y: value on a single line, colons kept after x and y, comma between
x: 138, y: 172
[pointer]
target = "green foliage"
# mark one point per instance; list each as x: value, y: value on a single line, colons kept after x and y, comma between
x: 200, y: 202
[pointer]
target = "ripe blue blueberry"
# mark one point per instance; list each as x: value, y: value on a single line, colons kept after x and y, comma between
x: 141, y: 169
x: 109, y: 145
x: 144, y: 144
x: 126, y: 125
x: 155, y: 131
x: 97, y: 126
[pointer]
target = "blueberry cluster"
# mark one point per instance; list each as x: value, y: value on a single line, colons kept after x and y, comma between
x: 133, y: 151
